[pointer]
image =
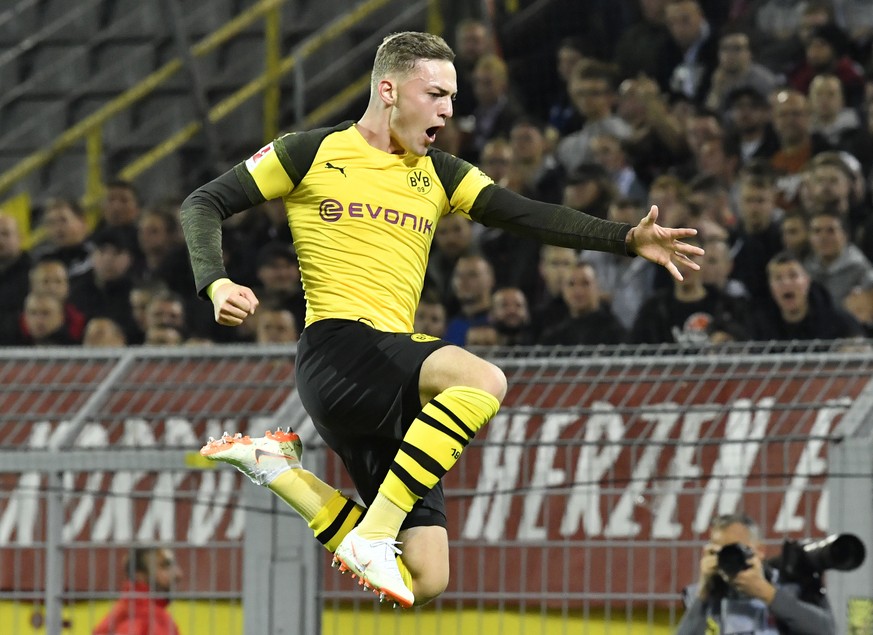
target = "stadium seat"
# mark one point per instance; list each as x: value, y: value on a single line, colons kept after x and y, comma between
x: 31, y: 121
x: 73, y: 22
x: 120, y: 65
x: 18, y: 20
x: 55, y: 67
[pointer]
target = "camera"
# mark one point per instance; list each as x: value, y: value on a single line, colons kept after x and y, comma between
x: 800, y: 560
x: 732, y: 559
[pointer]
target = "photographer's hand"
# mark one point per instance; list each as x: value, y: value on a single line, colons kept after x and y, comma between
x: 752, y: 582
x: 708, y: 568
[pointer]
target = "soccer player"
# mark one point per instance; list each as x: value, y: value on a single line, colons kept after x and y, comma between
x: 363, y: 199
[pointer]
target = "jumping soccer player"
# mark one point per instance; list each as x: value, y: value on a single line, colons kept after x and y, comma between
x: 363, y: 199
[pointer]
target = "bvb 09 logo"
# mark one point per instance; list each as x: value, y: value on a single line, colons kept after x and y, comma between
x: 420, y: 181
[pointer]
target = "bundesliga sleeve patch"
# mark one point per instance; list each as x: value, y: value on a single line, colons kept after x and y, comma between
x: 257, y: 157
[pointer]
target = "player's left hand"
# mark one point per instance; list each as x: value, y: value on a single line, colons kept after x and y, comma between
x: 663, y: 245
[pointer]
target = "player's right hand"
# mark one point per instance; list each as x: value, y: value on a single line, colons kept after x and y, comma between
x: 233, y: 303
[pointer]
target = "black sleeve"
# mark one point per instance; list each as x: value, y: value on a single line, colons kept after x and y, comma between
x: 552, y: 224
x: 202, y: 214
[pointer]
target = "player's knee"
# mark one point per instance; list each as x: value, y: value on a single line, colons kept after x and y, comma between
x: 430, y: 585
x: 494, y: 382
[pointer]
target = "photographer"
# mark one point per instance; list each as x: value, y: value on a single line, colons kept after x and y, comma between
x: 739, y: 593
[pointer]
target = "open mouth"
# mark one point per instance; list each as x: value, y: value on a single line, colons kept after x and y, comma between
x: 431, y: 133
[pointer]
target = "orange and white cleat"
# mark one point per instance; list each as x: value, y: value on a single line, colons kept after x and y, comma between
x: 262, y: 459
x: 375, y: 563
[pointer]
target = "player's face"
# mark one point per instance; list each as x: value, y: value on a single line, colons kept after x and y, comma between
x: 423, y: 104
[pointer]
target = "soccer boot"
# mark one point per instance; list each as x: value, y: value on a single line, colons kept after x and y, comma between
x: 262, y: 459
x: 375, y: 563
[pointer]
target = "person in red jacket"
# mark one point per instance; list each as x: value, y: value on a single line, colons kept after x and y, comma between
x: 142, y: 608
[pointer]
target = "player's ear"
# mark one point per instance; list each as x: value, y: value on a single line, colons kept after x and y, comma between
x: 387, y: 91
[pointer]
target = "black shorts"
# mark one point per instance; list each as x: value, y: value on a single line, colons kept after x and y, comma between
x: 360, y: 386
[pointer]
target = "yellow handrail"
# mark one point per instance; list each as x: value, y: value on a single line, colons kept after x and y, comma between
x: 257, y: 85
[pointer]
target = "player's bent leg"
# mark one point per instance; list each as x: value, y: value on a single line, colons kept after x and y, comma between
x: 274, y: 462
x: 426, y: 556
x: 453, y: 366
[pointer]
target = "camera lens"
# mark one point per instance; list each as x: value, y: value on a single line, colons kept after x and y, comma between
x: 732, y: 559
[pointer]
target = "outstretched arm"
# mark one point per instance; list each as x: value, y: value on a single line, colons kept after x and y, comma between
x: 567, y: 227
x: 663, y: 245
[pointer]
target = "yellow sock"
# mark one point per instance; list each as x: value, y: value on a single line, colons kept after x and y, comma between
x: 303, y: 491
x: 333, y: 521
x: 382, y: 520
x: 430, y: 448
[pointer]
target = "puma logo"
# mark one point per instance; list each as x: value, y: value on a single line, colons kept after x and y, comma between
x: 336, y: 167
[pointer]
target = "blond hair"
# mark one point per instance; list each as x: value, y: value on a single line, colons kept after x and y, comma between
x: 399, y: 52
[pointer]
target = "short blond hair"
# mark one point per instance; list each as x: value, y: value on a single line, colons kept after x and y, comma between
x: 399, y: 52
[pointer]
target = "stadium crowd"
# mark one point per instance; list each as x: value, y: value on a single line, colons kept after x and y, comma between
x: 750, y: 120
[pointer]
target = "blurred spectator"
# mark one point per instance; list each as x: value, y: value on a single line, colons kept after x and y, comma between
x: 749, y: 126
x: 830, y: 117
x: 758, y: 237
x: 795, y: 233
x: 163, y: 336
x: 692, y: 35
x: 712, y: 202
x: 509, y: 319
x: 737, y: 69
x: 657, y: 139
x: 589, y: 188
x: 642, y: 47
x: 121, y: 210
x: 66, y: 236
x: 690, y: 314
x: 800, y: 309
x: 721, y: 160
x: 452, y: 238
x: 789, y: 25
x: 588, y: 321
x: 496, y: 108
x: 834, y: 262
x: 797, y: 142
x: 592, y: 89
x: 278, y: 274
x: 165, y: 256
x: 42, y: 322
x: 141, y: 293
x: 153, y: 575
x: 670, y: 194
x: 701, y: 127
x: 534, y: 169
x: 166, y: 309
x: 831, y: 187
x: 548, y: 304
x: 103, y: 332
x: 608, y: 152
x: 859, y: 21
x: 104, y: 291
x: 473, y: 282
x: 625, y: 283
x: 473, y: 40
x: 563, y: 116
x: 495, y: 160
x: 14, y: 271
x: 430, y: 315
x: 859, y: 304
x: 275, y: 324
x: 717, y: 266
x: 50, y: 276
x: 827, y: 52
